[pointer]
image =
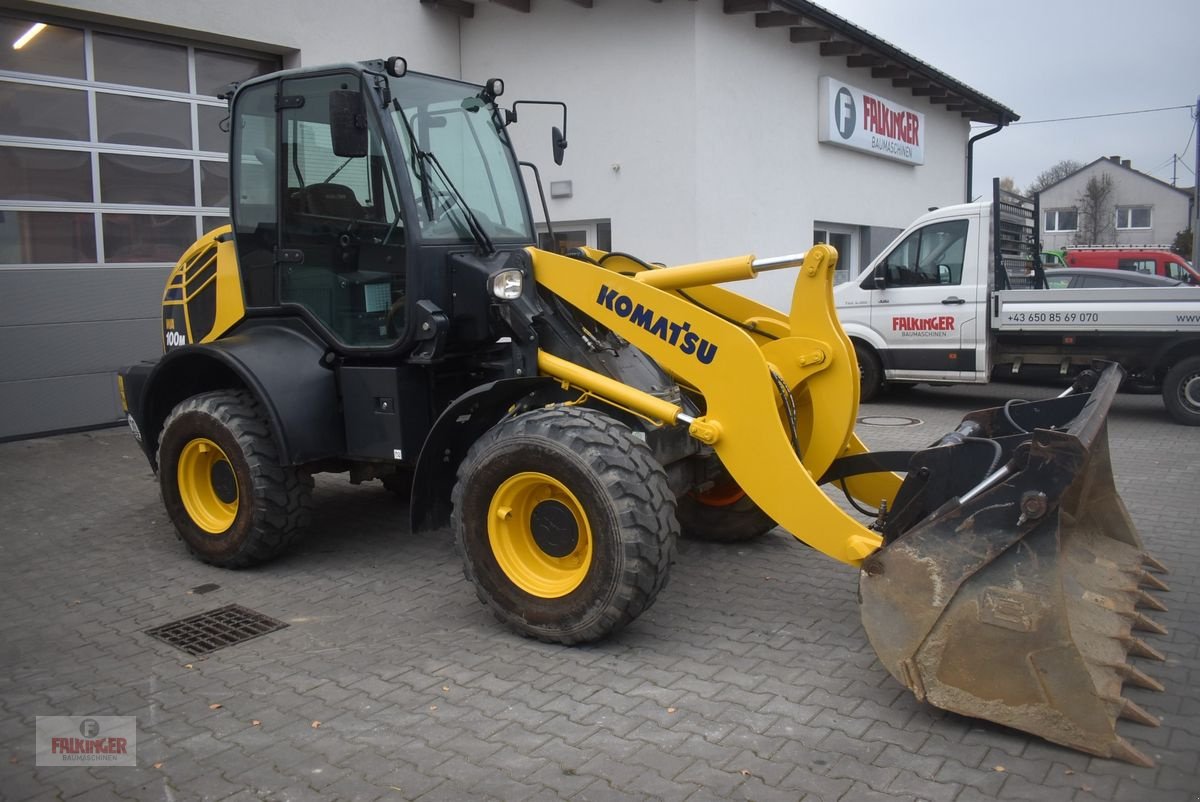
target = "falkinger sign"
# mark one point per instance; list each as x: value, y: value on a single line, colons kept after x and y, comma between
x: 857, y: 119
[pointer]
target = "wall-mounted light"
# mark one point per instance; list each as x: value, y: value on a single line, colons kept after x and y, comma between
x: 27, y: 37
x: 561, y: 189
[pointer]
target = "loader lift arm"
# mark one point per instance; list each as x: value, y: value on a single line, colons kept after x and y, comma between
x: 738, y: 377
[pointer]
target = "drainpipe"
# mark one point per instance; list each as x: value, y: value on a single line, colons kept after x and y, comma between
x: 971, y: 155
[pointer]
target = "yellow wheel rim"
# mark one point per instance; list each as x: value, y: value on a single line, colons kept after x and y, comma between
x: 539, y: 535
x: 207, y: 485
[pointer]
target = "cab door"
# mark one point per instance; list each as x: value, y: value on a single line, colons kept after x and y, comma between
x: 924, y: 304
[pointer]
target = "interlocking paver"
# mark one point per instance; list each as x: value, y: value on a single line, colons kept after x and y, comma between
x: 756, y: 646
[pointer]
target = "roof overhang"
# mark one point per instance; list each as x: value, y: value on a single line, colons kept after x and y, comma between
x: 809, y: 25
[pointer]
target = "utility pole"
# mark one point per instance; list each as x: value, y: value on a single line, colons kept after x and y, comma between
x: 1196, y: 195
x: 1174, y: 164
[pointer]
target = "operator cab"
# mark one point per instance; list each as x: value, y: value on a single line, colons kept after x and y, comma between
x: 351, y: 187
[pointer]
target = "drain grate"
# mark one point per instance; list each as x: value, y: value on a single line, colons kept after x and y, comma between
x: 207, y: 632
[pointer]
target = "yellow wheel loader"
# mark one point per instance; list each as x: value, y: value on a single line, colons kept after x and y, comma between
x: 378, y: 307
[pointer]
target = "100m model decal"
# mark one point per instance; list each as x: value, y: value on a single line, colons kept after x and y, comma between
x: 678, y: 334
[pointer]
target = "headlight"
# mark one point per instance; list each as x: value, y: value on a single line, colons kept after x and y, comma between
x: 507, y: 284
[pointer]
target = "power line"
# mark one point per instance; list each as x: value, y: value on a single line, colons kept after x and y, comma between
x: 1192, y: 134
x: 1098, y: 116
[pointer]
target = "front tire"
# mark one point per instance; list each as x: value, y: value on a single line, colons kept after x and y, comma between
x: 565, y: 524
x: 1181, y: 391
x: 870, y: 373
x: 233, y: 505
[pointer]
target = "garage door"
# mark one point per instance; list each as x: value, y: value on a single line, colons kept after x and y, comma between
x: 112, y: 161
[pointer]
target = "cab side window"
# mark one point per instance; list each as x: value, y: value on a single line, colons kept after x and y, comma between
x: 930, y: 256
x: 341, y: 220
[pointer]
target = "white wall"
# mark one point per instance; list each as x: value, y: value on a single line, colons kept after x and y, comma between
x: 311, y: 31
x: 713, y: 123
x: 765, y: 176
x: 626, y: 71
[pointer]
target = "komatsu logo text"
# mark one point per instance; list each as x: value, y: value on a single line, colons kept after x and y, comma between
x: 677, y: 334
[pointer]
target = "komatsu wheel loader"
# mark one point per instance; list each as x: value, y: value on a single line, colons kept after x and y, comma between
x: 379, y: 307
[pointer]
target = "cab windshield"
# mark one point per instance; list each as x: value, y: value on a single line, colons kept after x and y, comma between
x: 455, y: 149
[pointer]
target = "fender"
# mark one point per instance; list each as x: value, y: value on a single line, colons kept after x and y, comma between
x: 456, y: 429
x: 280, y: 363
x: 1173, y: 350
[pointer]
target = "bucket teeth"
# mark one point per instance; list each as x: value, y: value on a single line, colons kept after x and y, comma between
x: 1149, y: 580
x: 1122, y: 750
x: 1131, y: 711
x: 1153, y: 564
x: 1144, y: 599
x: 1141, y: 622
x: 1139, y: 648
x: 1135, y: 676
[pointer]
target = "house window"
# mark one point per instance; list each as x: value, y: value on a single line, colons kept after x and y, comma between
x: 1133, y: 217
x: 1062, y: 220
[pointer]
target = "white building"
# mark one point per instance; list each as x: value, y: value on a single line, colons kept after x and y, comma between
x: 697, y: 129
x: 1144, y: 210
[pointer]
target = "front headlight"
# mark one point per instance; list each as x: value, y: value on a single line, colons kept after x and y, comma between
x: 507, y: 284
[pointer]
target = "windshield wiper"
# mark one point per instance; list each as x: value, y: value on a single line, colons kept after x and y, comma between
x: 476, y: 229
x: 418, y: 159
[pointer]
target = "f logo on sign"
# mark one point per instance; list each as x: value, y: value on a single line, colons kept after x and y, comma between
x: 844, y: 112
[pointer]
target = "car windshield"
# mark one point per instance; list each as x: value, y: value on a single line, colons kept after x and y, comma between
x: 455, y: 149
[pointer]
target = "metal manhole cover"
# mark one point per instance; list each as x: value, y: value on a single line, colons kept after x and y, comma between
x: 889, y: 420
x: 216, y: 629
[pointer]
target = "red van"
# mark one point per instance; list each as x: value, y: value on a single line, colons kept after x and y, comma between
x: 1155, y: 261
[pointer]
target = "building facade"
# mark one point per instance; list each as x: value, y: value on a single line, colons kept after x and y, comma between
x: 1138, y: 209
x: 696, y: 130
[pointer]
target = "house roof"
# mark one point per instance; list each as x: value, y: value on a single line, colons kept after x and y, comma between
x: 1116, y: 161
x: 810, y: 25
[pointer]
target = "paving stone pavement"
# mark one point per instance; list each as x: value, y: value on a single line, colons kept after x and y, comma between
x: 751, y: 677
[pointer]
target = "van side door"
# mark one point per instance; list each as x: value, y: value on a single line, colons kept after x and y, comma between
x: 925, y: 305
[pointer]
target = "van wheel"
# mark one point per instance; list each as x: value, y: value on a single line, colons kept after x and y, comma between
x: 565, y: 524
x: 870, y: 373
x: 233, y: 505
x: 1181, y: 391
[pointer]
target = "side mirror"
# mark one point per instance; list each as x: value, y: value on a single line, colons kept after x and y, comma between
x: 943, y: 274
x: 881, y: 276
x: 347, y: 123
x: 559, y: 143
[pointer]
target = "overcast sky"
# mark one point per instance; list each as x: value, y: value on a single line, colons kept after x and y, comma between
x: 1059, y: 58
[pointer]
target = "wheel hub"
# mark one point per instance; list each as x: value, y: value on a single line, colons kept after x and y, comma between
x: 539, y: 535
x: 224, y: 483
x: 554, y: 528
x: 207, y: 485
x: 1189, y: 391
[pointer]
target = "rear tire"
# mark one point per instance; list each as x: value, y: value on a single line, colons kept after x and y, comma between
x: 233, y: 505
x: 723, y: 514
x: 870, y: 373
x: 565, y: 524
x: 1181, y: 391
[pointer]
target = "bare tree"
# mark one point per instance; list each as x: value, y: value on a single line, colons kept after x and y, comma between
x: 1008, y: 184
x: 1053, y: 175
x: 1097, y: 217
